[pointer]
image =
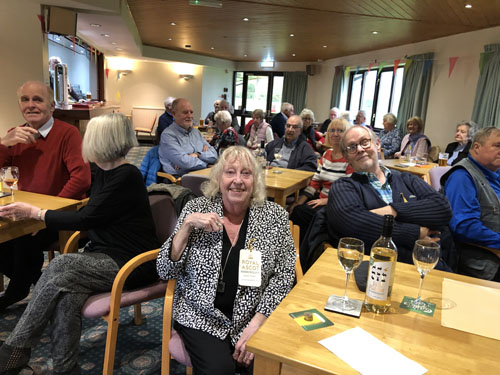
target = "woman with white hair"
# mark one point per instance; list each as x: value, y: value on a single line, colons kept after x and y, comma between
x: 459, y: 149
x: 313, y: 137
x: 233, y: 225
x: 120, y: 226
x: 390, y: 137
x: 226, y: 135
x: 260, y: 130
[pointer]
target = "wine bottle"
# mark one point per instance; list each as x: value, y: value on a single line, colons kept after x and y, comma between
x: 261, y: 154
x: 383, y: 258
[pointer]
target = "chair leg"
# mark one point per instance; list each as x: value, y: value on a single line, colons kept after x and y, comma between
x: 51, y: 255
x: 137, y: 314
x: 189, y: 371
x: 110, y: 350
x: 1, y: 282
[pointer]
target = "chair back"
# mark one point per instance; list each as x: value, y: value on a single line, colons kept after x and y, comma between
x: 143, y: 120
x: 164, y: 215
x: 193, y: 182
x: 435, y: 175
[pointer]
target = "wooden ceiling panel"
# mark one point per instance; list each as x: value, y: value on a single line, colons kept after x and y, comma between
x: 345, y: 27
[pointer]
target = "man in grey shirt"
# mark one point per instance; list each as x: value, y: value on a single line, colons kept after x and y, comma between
x: 183, y: 148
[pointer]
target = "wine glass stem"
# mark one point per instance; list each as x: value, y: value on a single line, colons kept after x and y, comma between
x: 346, y: 283
x: 420, y: 287
x: 11, y: 194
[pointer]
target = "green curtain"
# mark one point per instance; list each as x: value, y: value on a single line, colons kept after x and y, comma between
x: 486, y: 111
x: 295, y: 90
x: 415, y: 92
x: 337, y: 86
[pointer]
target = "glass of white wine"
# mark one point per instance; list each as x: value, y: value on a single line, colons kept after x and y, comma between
x: 277, y: 157
x: 425, y: 257
x: 350, y: 253
x: 10, y: 176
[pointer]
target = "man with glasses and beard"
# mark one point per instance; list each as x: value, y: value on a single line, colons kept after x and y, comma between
x: 357, y: 204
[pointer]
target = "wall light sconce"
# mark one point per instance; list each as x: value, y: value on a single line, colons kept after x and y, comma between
x: 187, y: 77
x: 123, y: 72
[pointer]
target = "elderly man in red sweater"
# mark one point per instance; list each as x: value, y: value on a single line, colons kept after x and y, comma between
x: 48, y: 154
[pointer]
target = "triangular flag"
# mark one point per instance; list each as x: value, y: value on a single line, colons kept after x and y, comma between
x: 357, y: 70
x: 396, y: 65
x: 484, y: 57
x: 427, y: 65
x: 407, y: 65
x: 381, y: 66
x: 118, y: 96
x: 370, y: 66
x: 41, y: 18
x: 346, y: 73
x: 453, y: 61
x: 107, y: 72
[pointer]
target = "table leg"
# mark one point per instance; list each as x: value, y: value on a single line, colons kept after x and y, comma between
x: 280, y: 198
x: 266, y: 366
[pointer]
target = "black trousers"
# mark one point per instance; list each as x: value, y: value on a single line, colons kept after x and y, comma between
x: 21, y: 260
x: 209, y: 355
x: 302, y: 215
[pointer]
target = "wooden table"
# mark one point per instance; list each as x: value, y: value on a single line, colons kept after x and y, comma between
x: 281, y: 346
x: 12, y: 229
x: 279, y: 185
x: 418, y: 170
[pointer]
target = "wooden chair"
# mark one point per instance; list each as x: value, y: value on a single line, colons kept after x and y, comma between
x: 193, y: 182
x: 174, y: 180
x: 108, y: 305
x: 143, y: 120
x: 172, y: 345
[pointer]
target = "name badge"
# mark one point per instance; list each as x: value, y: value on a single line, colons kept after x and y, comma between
x: 250, y: 269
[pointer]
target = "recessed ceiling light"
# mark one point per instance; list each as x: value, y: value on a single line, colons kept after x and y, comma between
x: 169, y: 38
x: 106, y: 35
x: 172, y: 24
x: 95, y: 25
x: 212, y: 47
x: 292, y: 34
x: 119, y: 49
x: 374, y: 32
x: 325, y: 46
x: 114, y: 43
x: 293, y: 54
x: 245, y: 19
x: 245, y: 55
x: 468, y: 6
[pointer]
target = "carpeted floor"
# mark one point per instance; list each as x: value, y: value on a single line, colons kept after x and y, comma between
x: 138, y: 347
x: 136, y: 155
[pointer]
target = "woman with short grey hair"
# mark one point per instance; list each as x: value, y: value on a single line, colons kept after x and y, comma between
x: 459, y: 149
x: 390, y: 137
x: 120, y: 226
x: 226, y: 135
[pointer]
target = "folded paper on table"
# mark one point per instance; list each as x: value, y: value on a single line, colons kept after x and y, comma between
x: 368, y: 355
x: 476, y: 309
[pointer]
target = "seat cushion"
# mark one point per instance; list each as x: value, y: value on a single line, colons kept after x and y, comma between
x: 97, y: 305
x: 178, y: 350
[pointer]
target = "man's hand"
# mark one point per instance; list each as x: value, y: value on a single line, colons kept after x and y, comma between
x: 386, y: 210
x: 205, y: 148
x: 194, y: 155
x: 20, y: 134
x: 19, y: 211
x: 318, y: 202
x: 429, y: 234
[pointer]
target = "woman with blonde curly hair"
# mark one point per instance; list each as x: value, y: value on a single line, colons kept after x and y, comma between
x: 216, y: 310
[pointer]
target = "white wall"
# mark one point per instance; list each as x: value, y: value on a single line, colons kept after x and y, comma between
x: 214, y: 81
x: 22, y: 54
x: 150, y: 83
x: 450, y: 100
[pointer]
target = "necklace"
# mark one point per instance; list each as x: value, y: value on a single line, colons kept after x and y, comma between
x: 221, y: 284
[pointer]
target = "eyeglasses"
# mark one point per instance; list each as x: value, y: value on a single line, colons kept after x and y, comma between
x: 294, y: 127
x: 340, y: 131
x: 364, y: 143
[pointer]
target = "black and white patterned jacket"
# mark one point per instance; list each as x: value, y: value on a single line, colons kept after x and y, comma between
x: 198, y: 268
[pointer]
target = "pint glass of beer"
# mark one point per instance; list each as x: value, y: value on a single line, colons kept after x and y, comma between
x: 443, y: 159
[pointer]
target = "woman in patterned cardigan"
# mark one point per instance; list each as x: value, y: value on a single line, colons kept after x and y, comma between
x: 215, y: 312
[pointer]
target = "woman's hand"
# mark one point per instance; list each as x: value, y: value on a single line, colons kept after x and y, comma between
x: 241, y: 355
x: 318, y: 202
x: 209, y: 222
x: 19, y: 211
x: 397, y: 155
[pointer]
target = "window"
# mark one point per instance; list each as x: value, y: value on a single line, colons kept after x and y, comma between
x: 256, y: 90
x: 377, y: 93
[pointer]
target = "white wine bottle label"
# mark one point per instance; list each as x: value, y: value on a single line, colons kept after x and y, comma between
x: 379, y: 279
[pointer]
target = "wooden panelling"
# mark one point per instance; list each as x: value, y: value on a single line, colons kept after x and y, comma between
x: 345, y: 27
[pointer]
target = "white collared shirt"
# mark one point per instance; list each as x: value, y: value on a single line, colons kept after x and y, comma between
x: 45, y: 129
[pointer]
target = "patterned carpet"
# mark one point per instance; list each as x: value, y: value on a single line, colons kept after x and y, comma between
x: 138, y: 347
x: 136, y: 155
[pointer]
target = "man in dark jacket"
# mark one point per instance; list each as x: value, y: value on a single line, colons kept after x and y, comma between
x: 294, y: 152
x: 357, y: 204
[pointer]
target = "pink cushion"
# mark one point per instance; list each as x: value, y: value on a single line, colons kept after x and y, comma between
x: 178, y: 350
x: 98, y: 304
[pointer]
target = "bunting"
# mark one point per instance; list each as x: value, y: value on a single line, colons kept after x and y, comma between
x: 357, y: 70
x: 396, y: 65
x: 453, y: 61
x: 407, y: 65
x: 347, y: 70
x: 381, y: 66
x: 370, y: 66
x: 41, y: 18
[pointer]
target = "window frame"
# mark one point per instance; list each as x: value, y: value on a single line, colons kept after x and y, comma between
x: 377, y: 89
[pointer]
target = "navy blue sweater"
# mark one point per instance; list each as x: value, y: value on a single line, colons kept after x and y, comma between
x: 351, y: 198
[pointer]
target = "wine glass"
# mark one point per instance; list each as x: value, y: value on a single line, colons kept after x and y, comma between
x: 350, y: 253
x: 425, y: 258
x: 10, y: 176
x: 277, y: 157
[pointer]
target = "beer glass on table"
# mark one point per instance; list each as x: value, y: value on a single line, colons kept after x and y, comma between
x: 443, y: 159
x: 10, y: 176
